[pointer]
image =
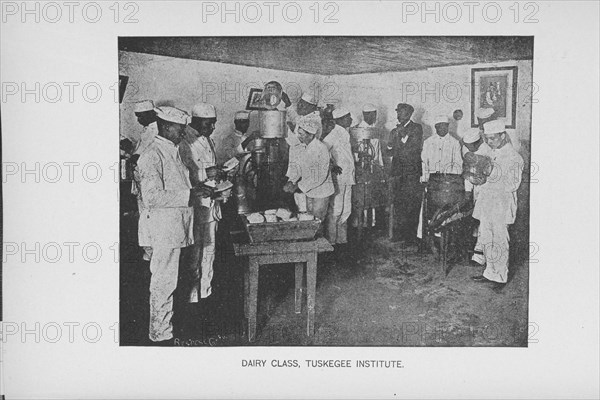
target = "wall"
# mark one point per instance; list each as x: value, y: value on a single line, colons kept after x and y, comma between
x: 438, y: 91
x: 182, y: 83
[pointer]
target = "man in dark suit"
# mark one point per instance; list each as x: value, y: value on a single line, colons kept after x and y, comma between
x: 405, y: 145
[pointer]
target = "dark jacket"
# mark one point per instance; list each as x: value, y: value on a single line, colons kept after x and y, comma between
x: 406, y: 161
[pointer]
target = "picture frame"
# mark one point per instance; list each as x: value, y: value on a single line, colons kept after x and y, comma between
x: 255, y: 101
x: 494, y: 87
x: 122, y: 85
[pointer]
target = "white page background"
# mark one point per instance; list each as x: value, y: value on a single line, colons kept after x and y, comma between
x: 563, y: 293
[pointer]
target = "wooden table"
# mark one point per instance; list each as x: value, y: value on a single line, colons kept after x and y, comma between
x: 282, y: 252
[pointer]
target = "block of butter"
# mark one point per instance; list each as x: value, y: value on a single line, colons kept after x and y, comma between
x: 305, y: 217
x: 283, y: 213
x: 255, y: 218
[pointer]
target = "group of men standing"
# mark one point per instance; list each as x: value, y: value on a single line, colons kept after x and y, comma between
x: 177, y: 157
x: 178, y: 211
x: 492, y: 172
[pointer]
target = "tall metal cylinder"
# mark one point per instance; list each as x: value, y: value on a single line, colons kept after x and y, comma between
x: 272, y: 124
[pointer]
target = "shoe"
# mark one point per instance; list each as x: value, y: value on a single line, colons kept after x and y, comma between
x: 475, y: 264
x: 480, y: 278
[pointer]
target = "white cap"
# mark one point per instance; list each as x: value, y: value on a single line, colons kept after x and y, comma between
x: 242, y: 115
x: 369, y: 108
x: 492, y: 127
x: 309, y: 98
x: 172, y: 114
x: 311, y: 123
x: 439, y: 119
x: 204, y: 110
x: 472, y: 136
x: 144, y: 105
x: 484, y: 113
x: 339, y: 113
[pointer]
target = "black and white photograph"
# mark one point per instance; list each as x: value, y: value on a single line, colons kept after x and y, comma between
x: 361, y: 211
x: 299, y: 199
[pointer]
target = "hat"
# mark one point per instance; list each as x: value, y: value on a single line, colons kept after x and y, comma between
x: 339, y: 113
x: 172, y: 114
x: 492, y: 127
x: 471, y: 136
x: 144, y: 105
x: 369, y: 108
x: 438, y: 119
x: 484, y: 113
x: 204, y: 110
x: 311, y: 123
x: 309, y: 98
x: 242, y: 115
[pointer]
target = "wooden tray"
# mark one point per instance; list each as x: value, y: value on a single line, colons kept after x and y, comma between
x: 282, y: 230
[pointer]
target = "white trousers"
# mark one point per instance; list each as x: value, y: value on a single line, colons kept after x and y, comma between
x: 164, y: 267
x: 340, y: 207
x: 493, y: 240
x: 202, y: 260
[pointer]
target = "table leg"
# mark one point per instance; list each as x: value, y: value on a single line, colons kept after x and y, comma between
x: 311, y: 289
x: 298, y: 294
x: 253, y: 297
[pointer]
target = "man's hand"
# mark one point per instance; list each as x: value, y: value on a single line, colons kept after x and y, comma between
x: 336, y: 169
x: 286, y: 100
x: 202, y: 191
x: 289, y: 187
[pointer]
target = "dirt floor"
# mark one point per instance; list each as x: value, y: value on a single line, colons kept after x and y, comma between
x: 376, y: 293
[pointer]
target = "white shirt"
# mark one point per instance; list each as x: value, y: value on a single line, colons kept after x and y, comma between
x: 165, y: 187
x: 313, y: 168
x: 231, y: 146
x: 338, y: 143
x: 296, y: 145
x: 197, y: 153
x: 441, y: 154
x: 497, y: 199
x: 377, y: 157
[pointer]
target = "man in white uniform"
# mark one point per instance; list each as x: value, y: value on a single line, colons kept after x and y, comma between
x: 305, y: 106
x: 165, y: 188
x: 369, y: 113
x: 231, y: 146
x: 314, y: 180
x: 441, y: 152
x: 146, y: 116
x: 340, y: 206
x: 474, y: 144
x: 496, y: 205
x: 198, y: 153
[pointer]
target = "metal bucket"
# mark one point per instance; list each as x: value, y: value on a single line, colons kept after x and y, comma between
x: 444, y: 189
x: 272, y: 124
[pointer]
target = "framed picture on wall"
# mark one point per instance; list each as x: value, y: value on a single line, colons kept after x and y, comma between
x: 255, y: 101
x: 494, y: 88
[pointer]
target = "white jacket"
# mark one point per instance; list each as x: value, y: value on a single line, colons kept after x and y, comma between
x: 165, y: 187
